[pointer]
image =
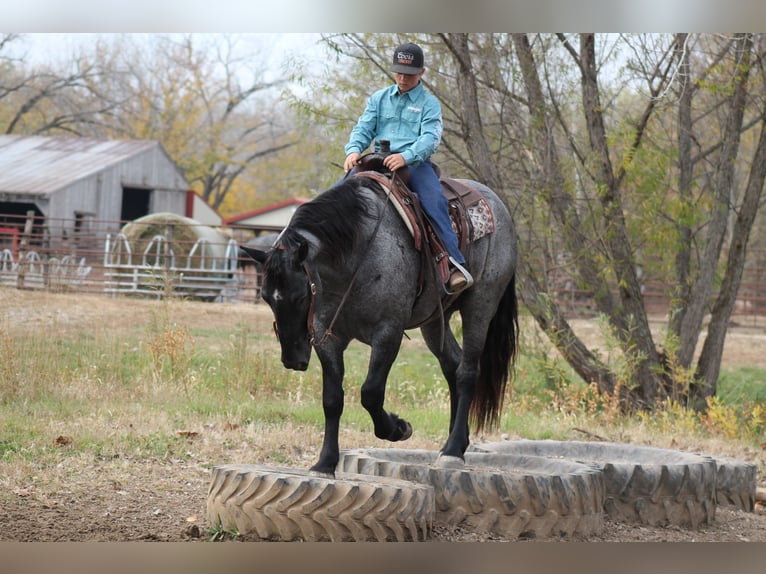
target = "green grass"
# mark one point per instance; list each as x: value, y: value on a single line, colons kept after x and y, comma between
x: 127, y: 390
x: 740, y: 385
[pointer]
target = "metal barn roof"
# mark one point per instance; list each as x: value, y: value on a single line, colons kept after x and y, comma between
x: 41, y: 165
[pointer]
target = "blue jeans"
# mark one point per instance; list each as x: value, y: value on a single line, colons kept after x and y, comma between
x: 424, y: 182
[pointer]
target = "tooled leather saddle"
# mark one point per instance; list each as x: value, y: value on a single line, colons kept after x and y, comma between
x: 470, y: 214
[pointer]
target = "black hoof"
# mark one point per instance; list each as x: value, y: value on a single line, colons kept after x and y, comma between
x: 322, y: 471
x: 403, y: 431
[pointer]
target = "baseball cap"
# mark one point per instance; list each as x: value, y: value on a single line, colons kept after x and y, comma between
x: 408, y: 59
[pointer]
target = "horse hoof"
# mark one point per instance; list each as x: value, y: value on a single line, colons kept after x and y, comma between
x: 321, y: 474
x: 447, y: 461
x: 407, y: 432
x: 402, y: 431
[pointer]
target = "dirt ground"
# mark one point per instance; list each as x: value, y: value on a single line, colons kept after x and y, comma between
x: 120, y: 499
x: 137, y: 500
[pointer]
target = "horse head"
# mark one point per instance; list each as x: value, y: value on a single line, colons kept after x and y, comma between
x: 289, y: 290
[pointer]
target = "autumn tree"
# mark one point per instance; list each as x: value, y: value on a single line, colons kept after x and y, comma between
x: 210, y: 107
x: 623, y: 159
x: 206, y: 99
x: 46, y: 98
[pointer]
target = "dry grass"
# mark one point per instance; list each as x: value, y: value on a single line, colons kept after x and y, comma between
x: 115, y: 409
x: 116, y: 370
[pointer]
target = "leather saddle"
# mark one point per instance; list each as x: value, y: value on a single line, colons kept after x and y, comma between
x: 463, y: 199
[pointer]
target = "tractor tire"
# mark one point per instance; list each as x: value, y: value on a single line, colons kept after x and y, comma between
x: 276, y: 503
x: 510, y: 496
x: 644, y: 485
x: 736, y: 483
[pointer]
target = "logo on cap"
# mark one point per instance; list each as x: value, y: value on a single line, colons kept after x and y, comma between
x: 405, y: 58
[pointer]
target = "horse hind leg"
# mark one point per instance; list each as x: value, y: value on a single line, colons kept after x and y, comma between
x: 446, y: 349
x: 460, y: 368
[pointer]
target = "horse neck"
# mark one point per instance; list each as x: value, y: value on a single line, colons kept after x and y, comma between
x: 335, y: 273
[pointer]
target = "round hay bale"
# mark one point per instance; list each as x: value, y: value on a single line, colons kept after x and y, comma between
x: 181, y: 234
x: 175, y: 254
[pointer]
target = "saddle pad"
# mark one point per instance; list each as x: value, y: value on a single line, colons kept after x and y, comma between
x: 482, y: 219
x: 478, y: 213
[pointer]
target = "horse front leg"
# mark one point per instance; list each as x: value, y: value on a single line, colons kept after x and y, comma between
x: 388, y: 426
x: 332, y: 405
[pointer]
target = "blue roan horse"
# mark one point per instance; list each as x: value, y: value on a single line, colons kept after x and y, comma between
x: 347, y: 268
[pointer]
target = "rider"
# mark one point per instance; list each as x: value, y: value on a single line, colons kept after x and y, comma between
x: 410, y: 117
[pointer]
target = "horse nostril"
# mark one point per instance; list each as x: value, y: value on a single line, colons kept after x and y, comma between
x: 296, y: 365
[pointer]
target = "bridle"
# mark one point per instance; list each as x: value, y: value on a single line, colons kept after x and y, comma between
x: 312, y: 300
x: 312, y: 285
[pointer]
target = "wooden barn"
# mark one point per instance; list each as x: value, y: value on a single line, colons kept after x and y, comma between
x: 79, y: 189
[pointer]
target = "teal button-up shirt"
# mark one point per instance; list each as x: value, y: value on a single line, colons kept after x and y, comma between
x: 412, y: 122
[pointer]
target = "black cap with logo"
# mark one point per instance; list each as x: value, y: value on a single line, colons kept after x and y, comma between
x: 408, y: 59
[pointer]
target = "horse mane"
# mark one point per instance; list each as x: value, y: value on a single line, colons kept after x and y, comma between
x: 335, y: 216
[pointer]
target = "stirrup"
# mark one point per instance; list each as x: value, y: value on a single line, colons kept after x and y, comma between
x: 466, y: 275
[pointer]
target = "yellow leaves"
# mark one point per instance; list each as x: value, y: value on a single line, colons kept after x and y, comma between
x: 730, y: 421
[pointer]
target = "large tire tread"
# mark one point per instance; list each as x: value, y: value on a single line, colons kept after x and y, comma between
x: 274, y: 503
x: 736, y: 483
x: 644, y: 485
x: 506, y: 496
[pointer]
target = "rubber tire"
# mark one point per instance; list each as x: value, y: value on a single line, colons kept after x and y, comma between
x: 510, y: 496
x: 276, y: 503
x: 736, y: 483
x: 644, y: 485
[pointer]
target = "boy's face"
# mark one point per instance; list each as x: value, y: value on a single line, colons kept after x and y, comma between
x: 407, y: 81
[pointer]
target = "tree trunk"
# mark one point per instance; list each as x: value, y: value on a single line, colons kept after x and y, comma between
x: 538, y: 301
x: 682, y: 289
x: 470, y: 113
x: 702, y: 288
x: 559, y: 331
x: 709, y: 363
x: 631, y: 321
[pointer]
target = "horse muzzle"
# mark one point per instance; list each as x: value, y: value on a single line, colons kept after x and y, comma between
x: 296, y: 357
x: 295, y: 365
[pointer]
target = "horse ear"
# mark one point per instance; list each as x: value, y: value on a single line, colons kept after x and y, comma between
x: 257, y: 254
x: 303, y: 251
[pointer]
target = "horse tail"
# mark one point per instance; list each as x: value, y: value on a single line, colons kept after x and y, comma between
x: 497, y: 359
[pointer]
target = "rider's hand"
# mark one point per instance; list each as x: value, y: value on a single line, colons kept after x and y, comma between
x: 394, y: 161
x: 352, y: 160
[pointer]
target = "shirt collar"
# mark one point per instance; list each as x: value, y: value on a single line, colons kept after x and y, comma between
x: 411, y: 93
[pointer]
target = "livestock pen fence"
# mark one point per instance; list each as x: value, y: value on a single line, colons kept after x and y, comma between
x: 165, y: 255
x: 170, y: 256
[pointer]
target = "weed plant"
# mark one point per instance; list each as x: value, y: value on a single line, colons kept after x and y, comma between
x: 140, y: 386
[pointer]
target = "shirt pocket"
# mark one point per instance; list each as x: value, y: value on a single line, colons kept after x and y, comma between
x: 412, y: 116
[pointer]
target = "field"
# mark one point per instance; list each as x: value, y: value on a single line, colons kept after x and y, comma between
x: 114, y: 410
